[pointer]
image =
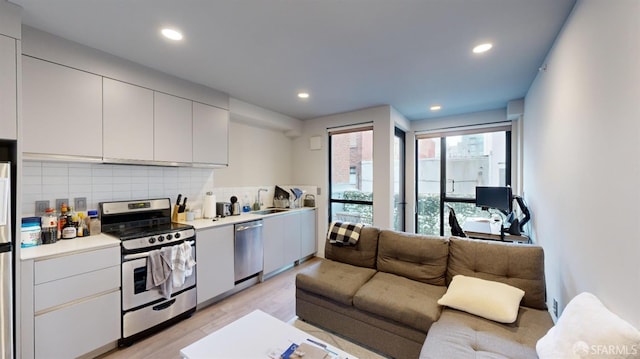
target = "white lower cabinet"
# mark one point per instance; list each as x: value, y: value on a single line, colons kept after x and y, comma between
x: 273, y: 242
x: 214, y: 262
x: 71, y: 304
x: 80, y: 328
x: 308, y: 242
x: 288, y: 238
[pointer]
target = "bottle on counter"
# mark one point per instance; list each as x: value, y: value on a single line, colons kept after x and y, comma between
x: 95, y: 226
x: 82, y: 225
x: 62, y: 219
x: 49, y: 224
x: 246, y: 205
x: 30, y: 232
x: 69, y: 231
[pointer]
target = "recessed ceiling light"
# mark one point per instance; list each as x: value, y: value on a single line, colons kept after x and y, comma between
x: 172, y: 34
x: 482, y: 48
x: 435, y: 108
x: 303, y: 94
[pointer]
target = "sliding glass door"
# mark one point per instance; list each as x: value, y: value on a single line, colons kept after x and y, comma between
x: 450, y: 166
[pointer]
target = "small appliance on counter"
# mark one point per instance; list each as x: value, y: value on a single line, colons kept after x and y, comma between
x: 309, y: 200
x: 235, y: 206
x: 223, y: 209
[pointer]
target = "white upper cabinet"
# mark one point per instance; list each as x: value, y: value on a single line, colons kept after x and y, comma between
x: 127, y: 121
x: 210, y: 134
x: 62, y: 109
x: 8, y: 86
x: 172, y: 128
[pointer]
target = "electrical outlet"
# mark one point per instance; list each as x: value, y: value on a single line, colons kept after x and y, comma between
x: 318, y: 191
x: 60, y: 201
x: 80, y: 204
x: 555, y: 307
x: 41, y: 206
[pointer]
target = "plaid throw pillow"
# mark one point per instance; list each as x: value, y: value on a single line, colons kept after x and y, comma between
x: 344, y: 233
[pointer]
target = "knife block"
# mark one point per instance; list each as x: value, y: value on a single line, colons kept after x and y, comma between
x: 178, y: 217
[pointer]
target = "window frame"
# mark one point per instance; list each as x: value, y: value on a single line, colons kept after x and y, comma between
x: 442, y: 136
x: 330, y: 199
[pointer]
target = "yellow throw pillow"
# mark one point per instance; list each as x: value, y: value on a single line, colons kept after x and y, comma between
x: 488, y: 299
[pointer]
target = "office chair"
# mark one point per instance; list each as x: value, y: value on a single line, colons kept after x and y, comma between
x: 456, y: 230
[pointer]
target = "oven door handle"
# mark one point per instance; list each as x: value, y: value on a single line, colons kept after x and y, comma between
x: 128, y: 257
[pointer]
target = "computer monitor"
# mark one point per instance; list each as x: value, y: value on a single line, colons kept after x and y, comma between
x: 494, y: 197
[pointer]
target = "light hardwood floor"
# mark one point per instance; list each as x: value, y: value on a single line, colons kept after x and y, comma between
x: 275, y: 296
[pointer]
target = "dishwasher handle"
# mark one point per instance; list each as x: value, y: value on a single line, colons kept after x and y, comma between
x: 240, y: 228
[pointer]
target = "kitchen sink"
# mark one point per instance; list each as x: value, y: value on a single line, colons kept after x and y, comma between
x: 270, y: 211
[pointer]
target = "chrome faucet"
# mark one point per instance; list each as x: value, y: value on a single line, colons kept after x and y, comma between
x: 258, y: 204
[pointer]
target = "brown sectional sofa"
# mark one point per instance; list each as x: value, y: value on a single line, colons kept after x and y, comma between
x: 383, y: 293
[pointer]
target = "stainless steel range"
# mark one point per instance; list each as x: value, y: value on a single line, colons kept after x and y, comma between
x: 145, y: 226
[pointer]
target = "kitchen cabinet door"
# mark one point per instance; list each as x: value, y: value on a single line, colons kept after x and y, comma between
x: 172, y: 128
x: 291, y: 237
x: 62, y: 110
x: 127, y: 122
x: 273, y: 243
x: 214, y: 262
x: 308, y: 242
x: 210, y: 134
x: 8, y: 88
x: 281, y: 241
x: 77, y: 329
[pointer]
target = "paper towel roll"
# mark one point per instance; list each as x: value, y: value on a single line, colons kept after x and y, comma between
x: 209, y: 206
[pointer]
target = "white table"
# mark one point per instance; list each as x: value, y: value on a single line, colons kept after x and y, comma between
x: 256, y: 335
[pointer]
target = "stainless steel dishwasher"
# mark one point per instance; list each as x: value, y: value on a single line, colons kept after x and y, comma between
x: 248, y: 249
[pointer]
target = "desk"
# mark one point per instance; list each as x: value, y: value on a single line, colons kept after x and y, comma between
x: 496, y: 237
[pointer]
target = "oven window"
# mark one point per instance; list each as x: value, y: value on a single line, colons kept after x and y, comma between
x: 140, y: 280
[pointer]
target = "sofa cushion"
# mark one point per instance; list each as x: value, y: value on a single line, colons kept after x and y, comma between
x: 404, y: 300
x: 462, y: 336
x: 586, y: 327
x: 418, y: 257
x: 518, y: 265
x: 334, y: 280
x: 488, y: 299
x: 362, y: 254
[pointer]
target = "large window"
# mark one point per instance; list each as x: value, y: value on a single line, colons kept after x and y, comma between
x: 351, y: 175
x: 450, y: 166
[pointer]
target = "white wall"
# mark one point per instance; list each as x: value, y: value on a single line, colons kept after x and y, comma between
x: 581, y: 157
x: 257, y: 156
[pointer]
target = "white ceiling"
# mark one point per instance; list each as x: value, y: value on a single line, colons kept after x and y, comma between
x: 348, y: 54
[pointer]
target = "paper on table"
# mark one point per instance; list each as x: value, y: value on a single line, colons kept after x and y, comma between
x: 4, y: 200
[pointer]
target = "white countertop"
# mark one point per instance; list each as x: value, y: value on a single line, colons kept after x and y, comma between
x: 82, y: 244
x: 202, y: 223
x: 69, y: 246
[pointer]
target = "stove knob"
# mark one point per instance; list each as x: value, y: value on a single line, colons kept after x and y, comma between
x: 152, y: 240
x: 160, y: 238
x: 169, y: 237
x: 176, y: 236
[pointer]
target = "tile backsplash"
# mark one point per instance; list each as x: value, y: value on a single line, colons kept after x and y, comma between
x: 98, y: 182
